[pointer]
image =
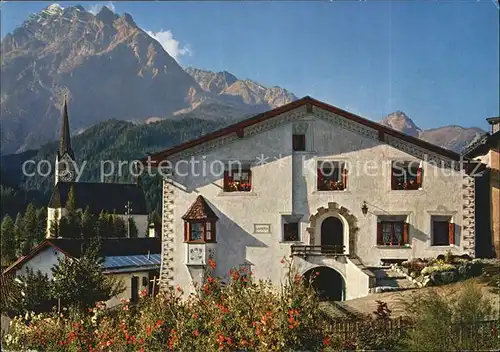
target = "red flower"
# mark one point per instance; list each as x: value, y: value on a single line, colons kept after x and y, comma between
x: 211, y: 263
x: 317, y: 273
x: 178, y: 288
x: 326, y: 341
x: 195, y: 316
x: 282, y: 261
x: 196, y: 333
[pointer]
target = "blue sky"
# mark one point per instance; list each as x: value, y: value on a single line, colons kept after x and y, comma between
x: 438, y: 61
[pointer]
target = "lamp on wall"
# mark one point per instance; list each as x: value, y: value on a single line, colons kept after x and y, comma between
x: 364, y: 208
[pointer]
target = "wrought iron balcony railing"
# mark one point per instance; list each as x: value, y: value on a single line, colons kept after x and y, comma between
x: 326, y: 250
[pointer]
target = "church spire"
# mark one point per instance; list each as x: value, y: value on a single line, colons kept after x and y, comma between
x: 65, y: 141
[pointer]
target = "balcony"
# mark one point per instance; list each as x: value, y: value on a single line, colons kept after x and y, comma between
x: 324, y: 250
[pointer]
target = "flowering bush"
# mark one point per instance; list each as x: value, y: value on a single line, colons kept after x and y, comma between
x: 414, y: 266
x: 243, y: 314
x: 437, y: 268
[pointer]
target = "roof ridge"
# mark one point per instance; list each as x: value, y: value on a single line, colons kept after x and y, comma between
x: 238, y: 127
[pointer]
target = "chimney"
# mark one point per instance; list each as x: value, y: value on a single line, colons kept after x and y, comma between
x: 495, y: 124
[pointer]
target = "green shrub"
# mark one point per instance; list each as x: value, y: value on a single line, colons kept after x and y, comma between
x: 437, y: 268
x: 444, y: 321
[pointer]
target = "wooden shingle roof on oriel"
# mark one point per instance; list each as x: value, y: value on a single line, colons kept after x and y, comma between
x: 200, y: 210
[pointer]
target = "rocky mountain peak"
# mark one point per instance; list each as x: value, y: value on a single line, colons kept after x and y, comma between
x: 399, y: 121
x: 106, y: 15
x: 237, y: 91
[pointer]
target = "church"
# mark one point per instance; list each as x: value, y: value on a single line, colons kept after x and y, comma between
x: 337, y: 193
x: 123, y: 199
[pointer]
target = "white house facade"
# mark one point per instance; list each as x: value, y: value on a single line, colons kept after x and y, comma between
x: 309, y: 181
x: 133, y: 261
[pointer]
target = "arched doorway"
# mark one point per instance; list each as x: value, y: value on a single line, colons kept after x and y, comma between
x: 327, y: 282
x: 332, y: 232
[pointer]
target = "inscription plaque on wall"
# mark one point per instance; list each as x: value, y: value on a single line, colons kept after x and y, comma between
x: 261, y: 228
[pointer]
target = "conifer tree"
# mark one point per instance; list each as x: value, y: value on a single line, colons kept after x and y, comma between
x: 102, y: 225
x: 71, y: 202
x: 30, y: 225
x: 80, y: 283
x: 73, y: 216
x: 118, y: 226
x: 54, y: 225
x: 64, y: 228
x: 19, y: 234
x: 89, y: 222
x: 8, y: 242
x: 41, y: 228
x: 133, y: 228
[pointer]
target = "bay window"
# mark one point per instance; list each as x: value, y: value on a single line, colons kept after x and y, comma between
x: 199, y: 222
x: 199, y: 231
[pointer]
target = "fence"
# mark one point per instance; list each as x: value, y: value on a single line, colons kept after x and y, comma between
x: 473, y: 335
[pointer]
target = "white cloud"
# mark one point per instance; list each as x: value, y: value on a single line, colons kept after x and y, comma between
x: 95, y: 8
x: 170, y: 44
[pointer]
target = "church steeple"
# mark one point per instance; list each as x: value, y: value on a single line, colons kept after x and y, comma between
x: 65, y: 159
x: 65, y: 139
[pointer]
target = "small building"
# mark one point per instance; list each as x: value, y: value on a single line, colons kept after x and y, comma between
x: 487, y: 150
x: 123, y: 199
x: 135, y: 261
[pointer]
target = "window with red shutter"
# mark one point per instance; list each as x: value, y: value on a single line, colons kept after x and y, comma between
x: 332, y: 176
x: 443, y: 231
x: 451, y: 233
x: 406, y: 175
x: 238, y: 180
x: 392, y: 232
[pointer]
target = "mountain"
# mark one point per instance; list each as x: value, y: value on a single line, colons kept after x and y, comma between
x: 453, y: 137
x: 109, y: 68
x: 228, y: 88
x: 399, y: 121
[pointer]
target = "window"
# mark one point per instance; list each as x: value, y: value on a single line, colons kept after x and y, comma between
x: 299, y: 142
x: 443, y: 231
x: 238, y: 179
x: 406, y: 175
x: 300, y: 131
x: 291, y: 232
x: 392, y: 233
x: 332, y: 176
x: 199, y: 231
